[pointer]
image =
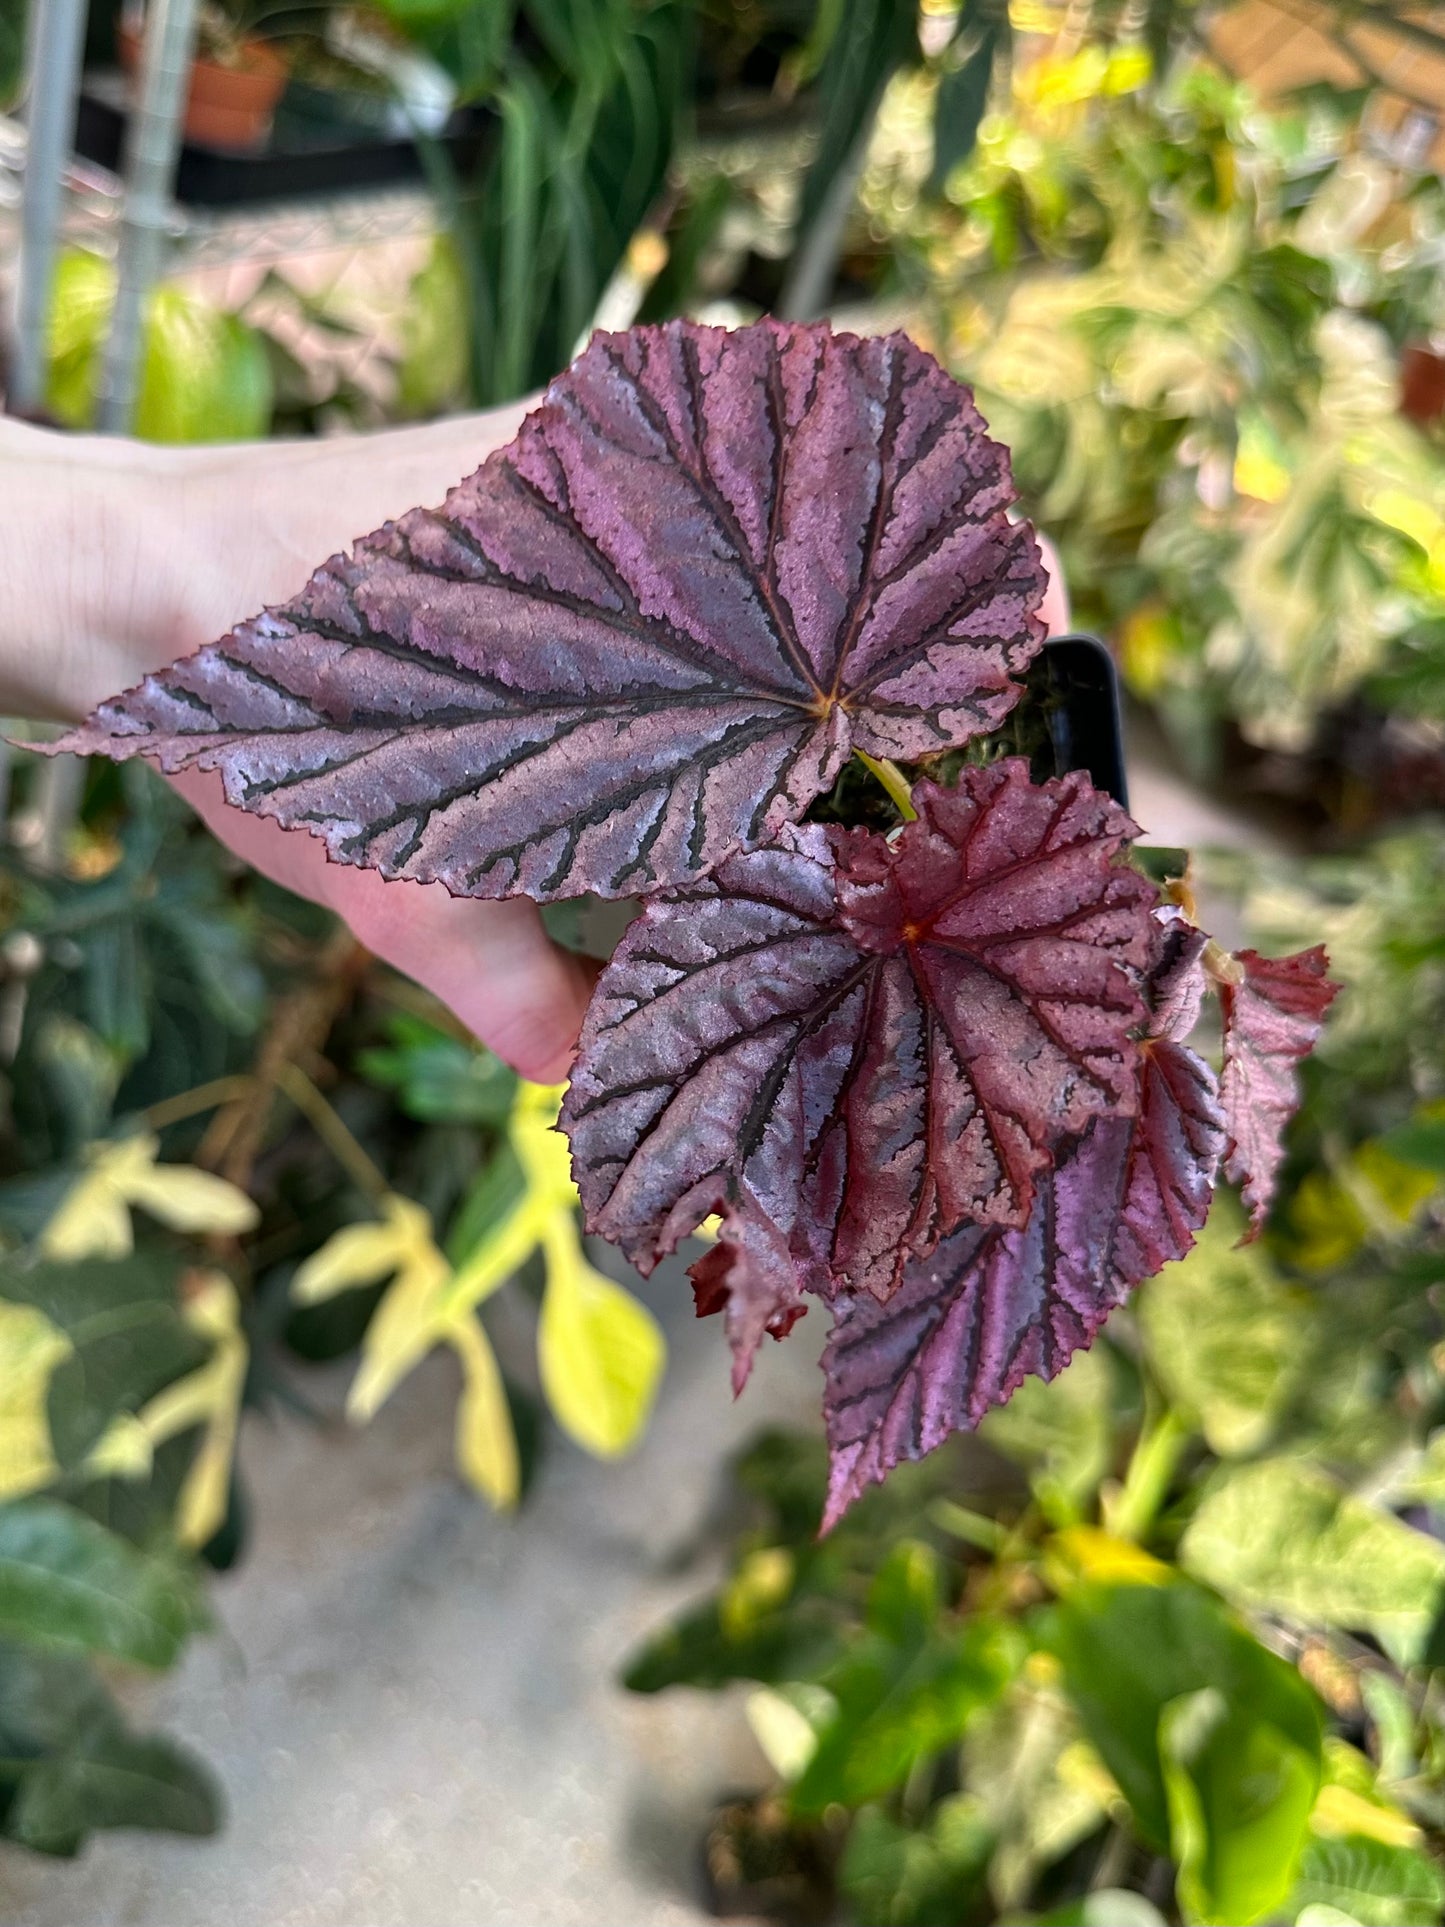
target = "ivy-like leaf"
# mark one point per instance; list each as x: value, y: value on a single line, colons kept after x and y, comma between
x: 992, y: 1306
x: 642, y: 637
x: 855, y: 1066
x: 1272, y: 1019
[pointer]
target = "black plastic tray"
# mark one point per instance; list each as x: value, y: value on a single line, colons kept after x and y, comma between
x: 1085, y: 727
x: 317, y: 164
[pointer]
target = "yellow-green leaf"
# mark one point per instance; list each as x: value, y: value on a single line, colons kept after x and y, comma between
x: 402, y: 1330
x: 93, y: 1220
x: 30, y: 1350
x: 486, y: 1442
x: 601, y: 1352
x: 364, y: 1254
x: 542, y: 1151
x: 210, y: 1396
x: 191, y: 1200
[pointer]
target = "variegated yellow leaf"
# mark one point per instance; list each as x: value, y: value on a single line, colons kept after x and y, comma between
x: 123, y: 1451
x: 191, y: 1200
x: 542, y: 1151
x: 209, y: 1396
x: 363, y: 1254
x: 93, y: 1220
x: 30, y: 1350
x: 486, y: 1442
x: 601, y: 1352
x: 402, y: 1330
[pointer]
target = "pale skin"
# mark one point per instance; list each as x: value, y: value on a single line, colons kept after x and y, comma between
x: 119, y: 556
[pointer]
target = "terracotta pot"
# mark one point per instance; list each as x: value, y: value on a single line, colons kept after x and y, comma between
x: 227, y: 106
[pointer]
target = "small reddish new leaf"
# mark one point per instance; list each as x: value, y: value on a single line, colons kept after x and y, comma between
x: 748, y: 1277
x: 1272, y: 1019
x: 991, y: 1307
x: 860, y: 1064
x: 642, y: 637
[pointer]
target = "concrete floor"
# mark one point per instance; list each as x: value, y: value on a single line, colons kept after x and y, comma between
x: 411, y: 1704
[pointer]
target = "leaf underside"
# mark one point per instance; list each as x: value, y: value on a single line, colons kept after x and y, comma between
x: 850, y: 1066
x: 645, y: 635
x: 991, y: 1307
x: 1272, y: 1020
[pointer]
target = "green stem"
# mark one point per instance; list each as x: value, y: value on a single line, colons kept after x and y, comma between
x: 974, y: 1528
x: 1151, y: 1470
x: 205, y: 1097
x: 893, y: 780
x: 333, y: 1133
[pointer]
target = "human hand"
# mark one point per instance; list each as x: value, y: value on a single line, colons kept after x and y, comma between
x: 122, y: 557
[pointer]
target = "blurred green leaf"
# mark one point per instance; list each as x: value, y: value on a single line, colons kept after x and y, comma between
x: 1128, y: 1652
x: 1063, y: 1432
x: 107, y: 1776
x: 1225, y: 1335
x: 431, y: 374
x: 898, y: 1876
x: 963, y: 92
x: 437, y: 1078
x: 67, y: 1582
x: 1041, y: 1788
x: 709, y: 1647
x: 906, y: 1688
x: 1376, y: 1884
x: 71, y: 1764
x: 493, y: 1194
x: 128, y: 1339
x: 1282, y: 1536
x: 1240, y: 1794
x: 1105, y: 1907
x: 205, y: 375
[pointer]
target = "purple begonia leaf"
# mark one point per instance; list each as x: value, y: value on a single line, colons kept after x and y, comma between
x: 990, y: 1307
x: 643, y: 636
x: 854, y: 1063
x: 1272, y: 1019
x: 1178, y: 982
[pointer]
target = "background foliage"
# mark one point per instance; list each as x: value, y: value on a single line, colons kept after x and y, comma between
x: 1166, y: 1642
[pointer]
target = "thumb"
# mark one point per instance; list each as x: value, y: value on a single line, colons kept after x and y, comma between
x: 493, y: 964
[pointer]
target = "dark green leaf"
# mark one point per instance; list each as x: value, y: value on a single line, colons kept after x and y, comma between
x: 67, y: 1582
x: 797, y: 1640
x: 898, y: 1876
x: 875, y: 40
x: 1421, y: 1142
x: 906, y: 1689
x: 497, y: 1187
x: 109, y: 1777
x: 963, y: 95
x: 1129, y: 1651
x: 1215, y: 1742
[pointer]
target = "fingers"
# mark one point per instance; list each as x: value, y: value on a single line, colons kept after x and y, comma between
x: 1055, y: 606
x: 491, y: 963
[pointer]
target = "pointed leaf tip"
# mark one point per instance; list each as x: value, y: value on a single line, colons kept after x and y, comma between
x: 1272, y: 1021
x: 991, y: 1307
